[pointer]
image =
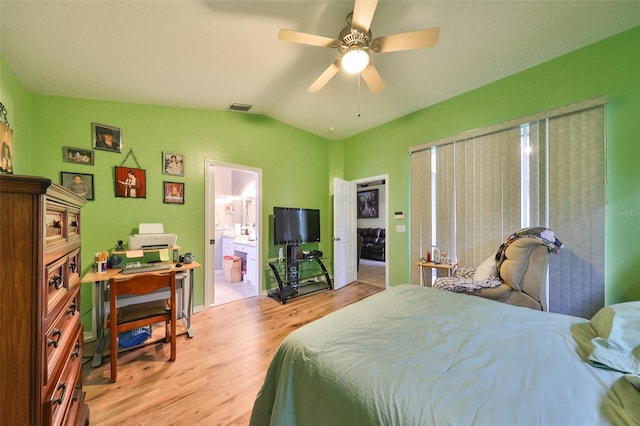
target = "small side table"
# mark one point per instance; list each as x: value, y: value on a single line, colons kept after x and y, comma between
x: 448, y: 267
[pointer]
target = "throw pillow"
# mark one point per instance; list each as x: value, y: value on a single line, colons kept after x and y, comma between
x: 487, y: 269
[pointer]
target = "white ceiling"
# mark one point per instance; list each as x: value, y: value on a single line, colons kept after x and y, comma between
x: 209, y: 54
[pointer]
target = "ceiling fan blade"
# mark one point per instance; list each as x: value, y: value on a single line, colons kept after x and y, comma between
x: 371, y: 76
x: 363, y: 11
x: 304, y: 38
x: 325, y: 77
x: 406, y: 41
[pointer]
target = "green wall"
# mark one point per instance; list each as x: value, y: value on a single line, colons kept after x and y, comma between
x: 298, y: 167
x: 610, y: 67
x: 294, y: 165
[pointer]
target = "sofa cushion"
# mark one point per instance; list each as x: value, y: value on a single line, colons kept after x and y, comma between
x: 369, y: 235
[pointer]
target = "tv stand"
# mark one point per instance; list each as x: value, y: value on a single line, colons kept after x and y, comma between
x: 298, y: 275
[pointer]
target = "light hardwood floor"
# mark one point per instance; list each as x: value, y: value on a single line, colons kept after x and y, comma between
x: 217, y: 373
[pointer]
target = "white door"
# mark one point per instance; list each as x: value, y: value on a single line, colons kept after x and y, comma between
x: 344, y: 233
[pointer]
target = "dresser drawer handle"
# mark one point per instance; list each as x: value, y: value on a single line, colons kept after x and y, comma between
x: 62, y: 386
x: 56, y: 281
x: 58, y: 334
x: 76, y: 392
x: 73, y: 308
x: 76, y: 352
x: 73, y: 266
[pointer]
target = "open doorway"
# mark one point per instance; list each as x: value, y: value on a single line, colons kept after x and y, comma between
x: 233, y: 233
x: 372, y: 228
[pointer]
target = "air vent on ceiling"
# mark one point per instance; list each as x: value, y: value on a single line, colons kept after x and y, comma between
x: 240, y: 107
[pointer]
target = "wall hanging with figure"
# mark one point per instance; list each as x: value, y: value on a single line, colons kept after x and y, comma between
x: 173, y: 192
x: 80, y: 184
x: 172, y: 164
x: 368, y: 203
x: 106, y: 138
x: 6, y: 143
x: 130, y: 182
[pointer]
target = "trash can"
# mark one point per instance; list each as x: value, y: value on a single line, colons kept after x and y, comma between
x: 232, y: 269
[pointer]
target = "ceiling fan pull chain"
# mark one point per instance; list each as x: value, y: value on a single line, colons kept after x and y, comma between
x: 359, y: 86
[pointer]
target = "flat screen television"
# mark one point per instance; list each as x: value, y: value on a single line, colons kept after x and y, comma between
x: 293, y: 225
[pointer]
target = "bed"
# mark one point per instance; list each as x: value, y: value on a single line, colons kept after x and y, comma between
x: 414, y: 355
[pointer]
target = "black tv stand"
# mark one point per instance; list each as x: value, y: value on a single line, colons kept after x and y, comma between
x: 298, y: 275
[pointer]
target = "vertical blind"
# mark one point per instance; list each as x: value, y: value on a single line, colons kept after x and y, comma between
x: 469, y: 193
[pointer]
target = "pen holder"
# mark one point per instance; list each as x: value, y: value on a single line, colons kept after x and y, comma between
x: 101, y: 266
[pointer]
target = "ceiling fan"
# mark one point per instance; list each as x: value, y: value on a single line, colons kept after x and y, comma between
x: 355, y: 44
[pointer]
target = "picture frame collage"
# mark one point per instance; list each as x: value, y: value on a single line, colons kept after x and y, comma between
x: 173, y: 164
x: 129, y: 182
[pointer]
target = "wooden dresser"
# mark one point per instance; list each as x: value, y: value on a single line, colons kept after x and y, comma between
x: 41, y: 343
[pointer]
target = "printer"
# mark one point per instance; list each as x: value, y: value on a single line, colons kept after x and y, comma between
x: 151, y: 236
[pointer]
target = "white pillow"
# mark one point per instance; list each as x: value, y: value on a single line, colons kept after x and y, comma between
x: 620, y: 323
x: 487, y: 269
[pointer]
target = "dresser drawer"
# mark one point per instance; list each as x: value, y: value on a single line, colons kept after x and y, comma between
x: 56, y: 286
x: 62, y: 230
x: 77, y: 412
x: 55, y: 224
x: 62, y: 276
x: 62, y: 337
x: 67, y: 389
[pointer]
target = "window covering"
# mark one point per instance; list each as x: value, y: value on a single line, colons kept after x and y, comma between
x: 471, y: 191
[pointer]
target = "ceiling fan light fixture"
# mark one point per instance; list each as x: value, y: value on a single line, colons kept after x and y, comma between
x: 355, y: 60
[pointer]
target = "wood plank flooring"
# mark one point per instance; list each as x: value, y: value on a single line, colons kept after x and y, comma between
x: 217, y: 373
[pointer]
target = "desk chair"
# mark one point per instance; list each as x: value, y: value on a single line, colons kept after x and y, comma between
x: 142, y: 314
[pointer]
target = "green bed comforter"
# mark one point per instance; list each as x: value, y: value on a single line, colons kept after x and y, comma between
x: 420, y: 356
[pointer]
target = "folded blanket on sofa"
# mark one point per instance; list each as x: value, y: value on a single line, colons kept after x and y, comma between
x: 463, y: 280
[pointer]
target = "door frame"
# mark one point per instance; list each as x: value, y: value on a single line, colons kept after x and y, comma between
x: 387, y: 244
x: 210, y: 226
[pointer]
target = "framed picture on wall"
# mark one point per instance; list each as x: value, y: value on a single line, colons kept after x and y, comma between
x: 6, y: 143
x: 173, y: 193
x: 106, y: 138
x: 130, y: 182
x: 172, y: 164
x: 80, y: 184
x: 368, y: 204
x: 77, y: 155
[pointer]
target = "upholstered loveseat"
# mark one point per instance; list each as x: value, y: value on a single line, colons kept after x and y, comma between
x: 373, y: 241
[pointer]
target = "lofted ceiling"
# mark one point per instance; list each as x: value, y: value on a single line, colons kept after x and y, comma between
x: 210, y: 54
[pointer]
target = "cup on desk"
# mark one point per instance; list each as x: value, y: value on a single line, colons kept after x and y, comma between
x: 100, y: 260
x: 101, y: 266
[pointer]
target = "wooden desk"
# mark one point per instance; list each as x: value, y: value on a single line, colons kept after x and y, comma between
x: 101, y: 280
x: 448, y: 267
